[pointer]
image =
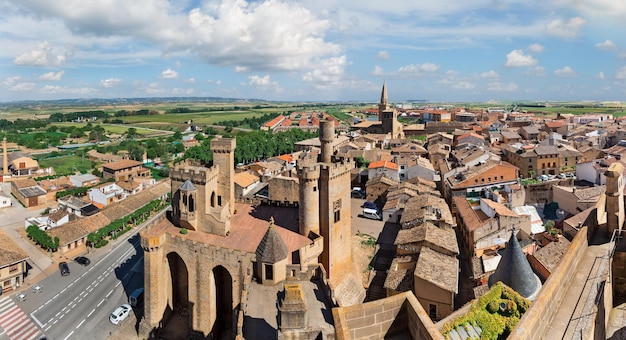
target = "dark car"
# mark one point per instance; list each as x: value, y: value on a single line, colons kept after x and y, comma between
x: 82, y: 260
x: 64, y: 269
x: 370, y: 205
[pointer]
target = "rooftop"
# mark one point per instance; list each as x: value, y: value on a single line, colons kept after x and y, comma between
x: 438, y: 269
x: 10, y: 252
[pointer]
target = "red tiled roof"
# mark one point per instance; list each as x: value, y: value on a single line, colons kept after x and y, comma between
x: 123, y: 164
x: 274, y: 121
x: 383, y: 164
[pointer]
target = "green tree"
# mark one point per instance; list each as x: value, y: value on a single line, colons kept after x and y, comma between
x: 131, y: 133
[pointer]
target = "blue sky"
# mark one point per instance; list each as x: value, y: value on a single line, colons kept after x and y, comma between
x: 450, y: 50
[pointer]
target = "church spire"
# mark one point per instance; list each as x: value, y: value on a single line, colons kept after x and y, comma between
x: 383, y: 95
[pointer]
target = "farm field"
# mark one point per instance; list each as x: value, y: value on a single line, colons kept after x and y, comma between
x: 119, y: 129
x: 67, y: 164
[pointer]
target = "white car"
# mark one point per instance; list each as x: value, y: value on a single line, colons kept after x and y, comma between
x: 120, y: 313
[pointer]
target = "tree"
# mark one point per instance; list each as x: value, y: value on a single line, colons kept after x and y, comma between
x: 131, y: 133
x: 178, y: 135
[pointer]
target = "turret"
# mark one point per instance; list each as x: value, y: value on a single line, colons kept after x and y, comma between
x: 327, y: 136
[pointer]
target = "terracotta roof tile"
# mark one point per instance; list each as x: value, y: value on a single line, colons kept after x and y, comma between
x: 10, y: 252
x: 438, y: 269
x: 122, y: 164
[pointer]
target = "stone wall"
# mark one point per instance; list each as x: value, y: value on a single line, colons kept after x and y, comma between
x: 537, y: 318
x: 399, y: 315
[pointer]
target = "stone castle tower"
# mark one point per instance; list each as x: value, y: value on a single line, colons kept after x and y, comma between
x: 614, y: 197
x: 325, y: 205
x: 198, y: 278
x: 205, y: 198
x: 389, y: 116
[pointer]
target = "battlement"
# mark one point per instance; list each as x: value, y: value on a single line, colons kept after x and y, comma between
x: 223, y: 145
x: 196, y: 174
x: 309, y: 172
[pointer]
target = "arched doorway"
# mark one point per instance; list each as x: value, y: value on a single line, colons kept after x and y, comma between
x: 222, y: 301
x: 179, y: 298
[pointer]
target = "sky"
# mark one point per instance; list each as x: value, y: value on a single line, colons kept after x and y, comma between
x: 314, y: 50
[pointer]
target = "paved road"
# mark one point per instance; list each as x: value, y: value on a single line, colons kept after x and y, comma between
x: 77, y: 306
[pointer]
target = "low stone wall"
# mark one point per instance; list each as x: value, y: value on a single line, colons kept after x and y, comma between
x: 534, y: 322
x: 398, y: 315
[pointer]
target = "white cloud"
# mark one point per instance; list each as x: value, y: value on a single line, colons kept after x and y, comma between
x: 50, y: 89
x: 52, y: 76
x: 565, y: 29
x: 110, y: 82
x: 179, y: 91
x: 23, y: 86
x: 154, y: 88
x: 378, y: 71
x: 517, y: 58
x: 241, y: 69
x: 565, y: 72
x: 491, y: 74
x: 328, y: 75
x: 169, y: 74
x: 263, y: 83
x: 620, y: 74
x: 537, y: 71
x: 600, y: 75
x: 384, y: 55
x: 191, y: 80
x: 501, y: 87
x: 247, y: 33
x: 606, y: 45
x: 536, y: 48
x: 43, y: 55
x: 408, y: 71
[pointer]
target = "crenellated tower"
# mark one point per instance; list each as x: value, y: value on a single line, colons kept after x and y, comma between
x: 325, y: 205
x: 203, y: 199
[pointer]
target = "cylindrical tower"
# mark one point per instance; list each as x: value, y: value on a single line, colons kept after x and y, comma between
x: 327, y: 136
x: 309, y: 199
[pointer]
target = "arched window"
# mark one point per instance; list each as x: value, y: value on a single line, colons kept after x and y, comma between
x: 213, y: 199
x: 191, y: 204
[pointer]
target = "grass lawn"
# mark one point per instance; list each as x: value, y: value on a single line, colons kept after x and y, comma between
x: 67, y: 164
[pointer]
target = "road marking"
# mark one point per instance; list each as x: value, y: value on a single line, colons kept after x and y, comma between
x: 63, y: 290
x: 62, y: 316
x: 47, y: 302
x: 92, y: 311
x: 47, y: 328
x: 64, y: 308
x: 58, y: 314
x: 118, y: 284
x: 69, y: 335
x: 56, y: 296
x: 72, y: 306
x: 79, y: 300
x: 80, y: 324
x: 36, y: 320
x: 98, y: 305
x: 55, y: 322
x: 71, y: 284
x: 110, y: 292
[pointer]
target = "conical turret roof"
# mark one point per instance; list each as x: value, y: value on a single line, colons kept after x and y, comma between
x: 187, y: 186
x: 515, y: 272
x: 272, y: 248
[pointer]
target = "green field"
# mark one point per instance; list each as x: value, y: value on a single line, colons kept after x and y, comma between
x: 67, y: 164
x: 204, y: 118
x: 116, y: 128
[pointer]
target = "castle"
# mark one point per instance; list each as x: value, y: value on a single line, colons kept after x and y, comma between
x: 200, y: 261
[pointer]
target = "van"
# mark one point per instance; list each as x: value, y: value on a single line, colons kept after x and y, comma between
x: 136, y: 297
x: 371, y: 214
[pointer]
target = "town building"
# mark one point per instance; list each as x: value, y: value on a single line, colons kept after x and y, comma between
x: 13, y: 266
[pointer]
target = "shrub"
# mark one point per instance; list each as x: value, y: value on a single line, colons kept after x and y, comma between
x: 183, y: 231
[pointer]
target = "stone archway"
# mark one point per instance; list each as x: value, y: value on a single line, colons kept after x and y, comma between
x: 179, y: 276
x: 222, y: 304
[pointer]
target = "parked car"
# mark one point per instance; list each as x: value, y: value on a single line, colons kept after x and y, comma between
x: 370, y: 205
x: 371, y: 214
x: 82, y: 260
x: 136, y: 297
x: 120, y: 314
x: 64, y: 269
x: 358, y: 192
